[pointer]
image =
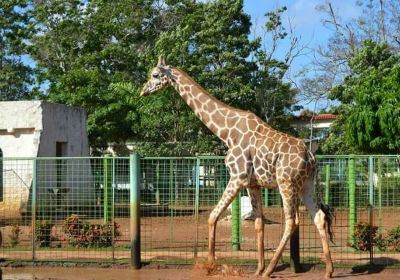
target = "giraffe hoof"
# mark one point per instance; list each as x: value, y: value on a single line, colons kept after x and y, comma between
x: 258, y: 272
x: 328, y: 275
x: 267, y: 274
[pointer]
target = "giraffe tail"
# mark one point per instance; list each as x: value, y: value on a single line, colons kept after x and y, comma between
x: 329, y: 216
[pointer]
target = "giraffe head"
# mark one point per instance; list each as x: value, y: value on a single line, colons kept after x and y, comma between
x: 160, y: 77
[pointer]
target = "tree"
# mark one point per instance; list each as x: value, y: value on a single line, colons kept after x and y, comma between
x: 82, y: 47
x: 370, y: 104
x: 96, y: 55
x: 15, y: 76
x: 211, y: 42
x: 379, y: 22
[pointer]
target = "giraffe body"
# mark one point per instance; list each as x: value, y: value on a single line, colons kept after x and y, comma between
x: 258, y: 157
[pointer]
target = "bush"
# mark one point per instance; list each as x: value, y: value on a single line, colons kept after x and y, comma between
x: 381, y: 242
x: 393, y: 239
x: 364, y: 232
x: 43, y: 233
x: 14, y: 235
x: 83, y: 234
x: 364, y: 236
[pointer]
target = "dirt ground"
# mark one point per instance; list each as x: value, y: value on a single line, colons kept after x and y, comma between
x: 185, y: 273
x: 165, y: 237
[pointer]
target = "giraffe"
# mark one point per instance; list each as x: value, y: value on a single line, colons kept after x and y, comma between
x: 258, y: 157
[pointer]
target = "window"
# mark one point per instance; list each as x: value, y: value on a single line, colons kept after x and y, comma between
x: 61, y: 151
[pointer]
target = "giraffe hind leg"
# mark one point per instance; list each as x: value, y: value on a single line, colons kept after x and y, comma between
x: 322, y: 220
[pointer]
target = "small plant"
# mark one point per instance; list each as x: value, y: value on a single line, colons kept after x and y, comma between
x: 393, y: 239
x: 381, y: 242
x: 14, y: 235
x: 364, y: 236
x: 83, y: 234
x: 43, y: 233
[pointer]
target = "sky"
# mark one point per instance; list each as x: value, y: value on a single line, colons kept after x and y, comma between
x: 303, y: 14
x: 307, y: 23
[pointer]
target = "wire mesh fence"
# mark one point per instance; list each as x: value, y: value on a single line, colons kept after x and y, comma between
x: 75, y: 209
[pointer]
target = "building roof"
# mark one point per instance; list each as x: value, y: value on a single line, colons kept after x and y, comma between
x: 319, y: 117
x: 325, y: 117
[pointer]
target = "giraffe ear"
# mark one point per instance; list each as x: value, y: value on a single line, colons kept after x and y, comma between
x: 161, y: 61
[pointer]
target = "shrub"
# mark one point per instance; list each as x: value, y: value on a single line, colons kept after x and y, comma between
x: 381, y: 242
x: 14, y: 235
x: 83, y: 234
x: 393, y: 239
x: 364, y: 236
x: 43, y: 233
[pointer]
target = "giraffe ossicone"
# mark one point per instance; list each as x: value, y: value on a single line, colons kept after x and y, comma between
x: 258, y: 157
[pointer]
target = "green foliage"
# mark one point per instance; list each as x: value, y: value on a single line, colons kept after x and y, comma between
x: 219, y: 63
x: 43, y: 233
x: 96, y: 55
x: 336, y: 142
x: 15, y: 77
x: 91, y: 46
x: 15, y: 235
x: 364, y: 236
x: 370, y: 109
x: 367, y: 235
x: 393, y: 239
x: 80, y: 233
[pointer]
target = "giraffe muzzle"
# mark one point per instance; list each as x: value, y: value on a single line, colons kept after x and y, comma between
x: 144, y: 92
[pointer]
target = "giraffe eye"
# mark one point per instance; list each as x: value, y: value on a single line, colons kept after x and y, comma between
x: 156, y: 75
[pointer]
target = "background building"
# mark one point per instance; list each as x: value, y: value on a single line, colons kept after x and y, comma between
x: 30, y: 129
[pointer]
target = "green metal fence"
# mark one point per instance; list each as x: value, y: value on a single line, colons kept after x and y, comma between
x: 78, y: 209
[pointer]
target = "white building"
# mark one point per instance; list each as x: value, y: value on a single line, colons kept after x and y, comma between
x: 31, y: 129
x: 319, y: 124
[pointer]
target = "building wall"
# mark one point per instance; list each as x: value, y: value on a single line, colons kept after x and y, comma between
x: 32, y: 129
x: 20, y: 128
x: 63, y: 124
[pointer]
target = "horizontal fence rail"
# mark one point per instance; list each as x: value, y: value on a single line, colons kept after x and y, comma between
x: 80, y: 209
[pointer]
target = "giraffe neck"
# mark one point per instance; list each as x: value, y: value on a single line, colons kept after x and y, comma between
x: 212, y: 112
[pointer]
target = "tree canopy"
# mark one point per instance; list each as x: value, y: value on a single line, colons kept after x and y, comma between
x: 16, y: 77
x: 370, y: 102
x: 96, y: 54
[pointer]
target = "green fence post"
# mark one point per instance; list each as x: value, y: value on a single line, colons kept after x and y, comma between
x: 171, y: 200
x: 158, y: 183
x: 352, y: 199
x: 327, y: 182
x: 371, y: 204
x: 134, y: 172
x: 196, y: 205
x: 113, y: 208
x: 107, y: 192
x: 33, y: 209
x: 380, y: 193
x: 236, y: 223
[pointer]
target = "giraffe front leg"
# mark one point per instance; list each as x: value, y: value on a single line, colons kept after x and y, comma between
x: 290, y: 206
x: 229, y: 194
